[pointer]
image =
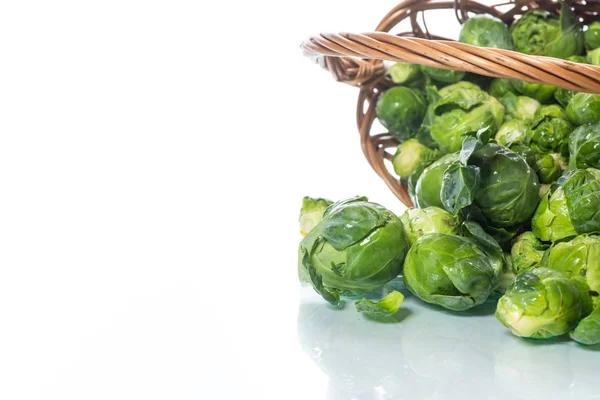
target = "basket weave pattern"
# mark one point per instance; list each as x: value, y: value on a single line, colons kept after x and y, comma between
x: 357, y: 59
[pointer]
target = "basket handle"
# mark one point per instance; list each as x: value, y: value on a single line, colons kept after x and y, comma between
x: 357, y: 59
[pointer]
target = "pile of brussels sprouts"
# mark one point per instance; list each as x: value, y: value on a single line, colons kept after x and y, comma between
x: 505, y: 176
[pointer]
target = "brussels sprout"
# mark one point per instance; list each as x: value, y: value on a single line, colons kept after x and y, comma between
x: 520, y: 107
x: 540, y: 92
x: 410, y: 156
x: 357, y: 247
x: 428, y: 186
x: 486, y: 31
x: 423, y: 221
x: 584, y: 147
x: 311, y: 213
x: 541, y: 304
x: 551, y: 220
x: 527, y: 251
x: 401, y: 110
x: 512, y: 132
x: 549, y: 131
x: 459, y: 110
x: 442, y: 75
x: 571, y: 209
x: 541, y: 33
x: 534, y: 31
x: 592, y: 35
x: 549, y: 167
x: 587, y: 331
x: 384, y: 308
x: 404, y: 73
x: 451, y: 271
x: 508, y: 189
x: 582, y: 193
x: 584, y: 108
x: 552, y: 110
x: 526, y: 154
x: 500, y: 87
x: 593, y: 57
x: 563, y: 96
x: 577, y: 259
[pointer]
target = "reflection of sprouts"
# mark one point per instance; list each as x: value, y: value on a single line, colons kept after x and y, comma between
x: 419, y: 357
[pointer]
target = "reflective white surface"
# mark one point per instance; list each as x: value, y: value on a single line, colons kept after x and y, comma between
x: 434, y: 354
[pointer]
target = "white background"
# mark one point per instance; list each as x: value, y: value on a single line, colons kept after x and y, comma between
x: 153, y: 157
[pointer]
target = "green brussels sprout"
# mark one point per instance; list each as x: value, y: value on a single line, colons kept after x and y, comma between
x: 577, y: 259
x: 551, y: 221
x: 584, y: 108
x: 538, y: 91
x: 587, y: 331
x: 508, y: 188
x: 357, y: 247
x: 404, y: 73
x: 442, y: 75
x: 520, y: 107
x: 541, y: 304
x: 549, y: 131
x: 551, y: 110
x: 592, y: 35
x: 512, y: 132
x: 458, y: 110
x: 311, y: 213
x: 500, y: 87
x: 527, y: 251
x: 571, y: 209
x: 549, y: 167
x: 526, y: 154
x: 486, y: 31
x: 541, y: 33
x: 423, y: 221
x: 401, y: 110
x: 534, y: 31
x: 593, y: 57
x: 563, y: 96
x: 584, y: 147
x: 428, y: 186
x: 451, y: 271
x: 410, y: 156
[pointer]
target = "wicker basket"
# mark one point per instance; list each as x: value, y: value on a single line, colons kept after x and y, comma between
x: 357, y: 59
